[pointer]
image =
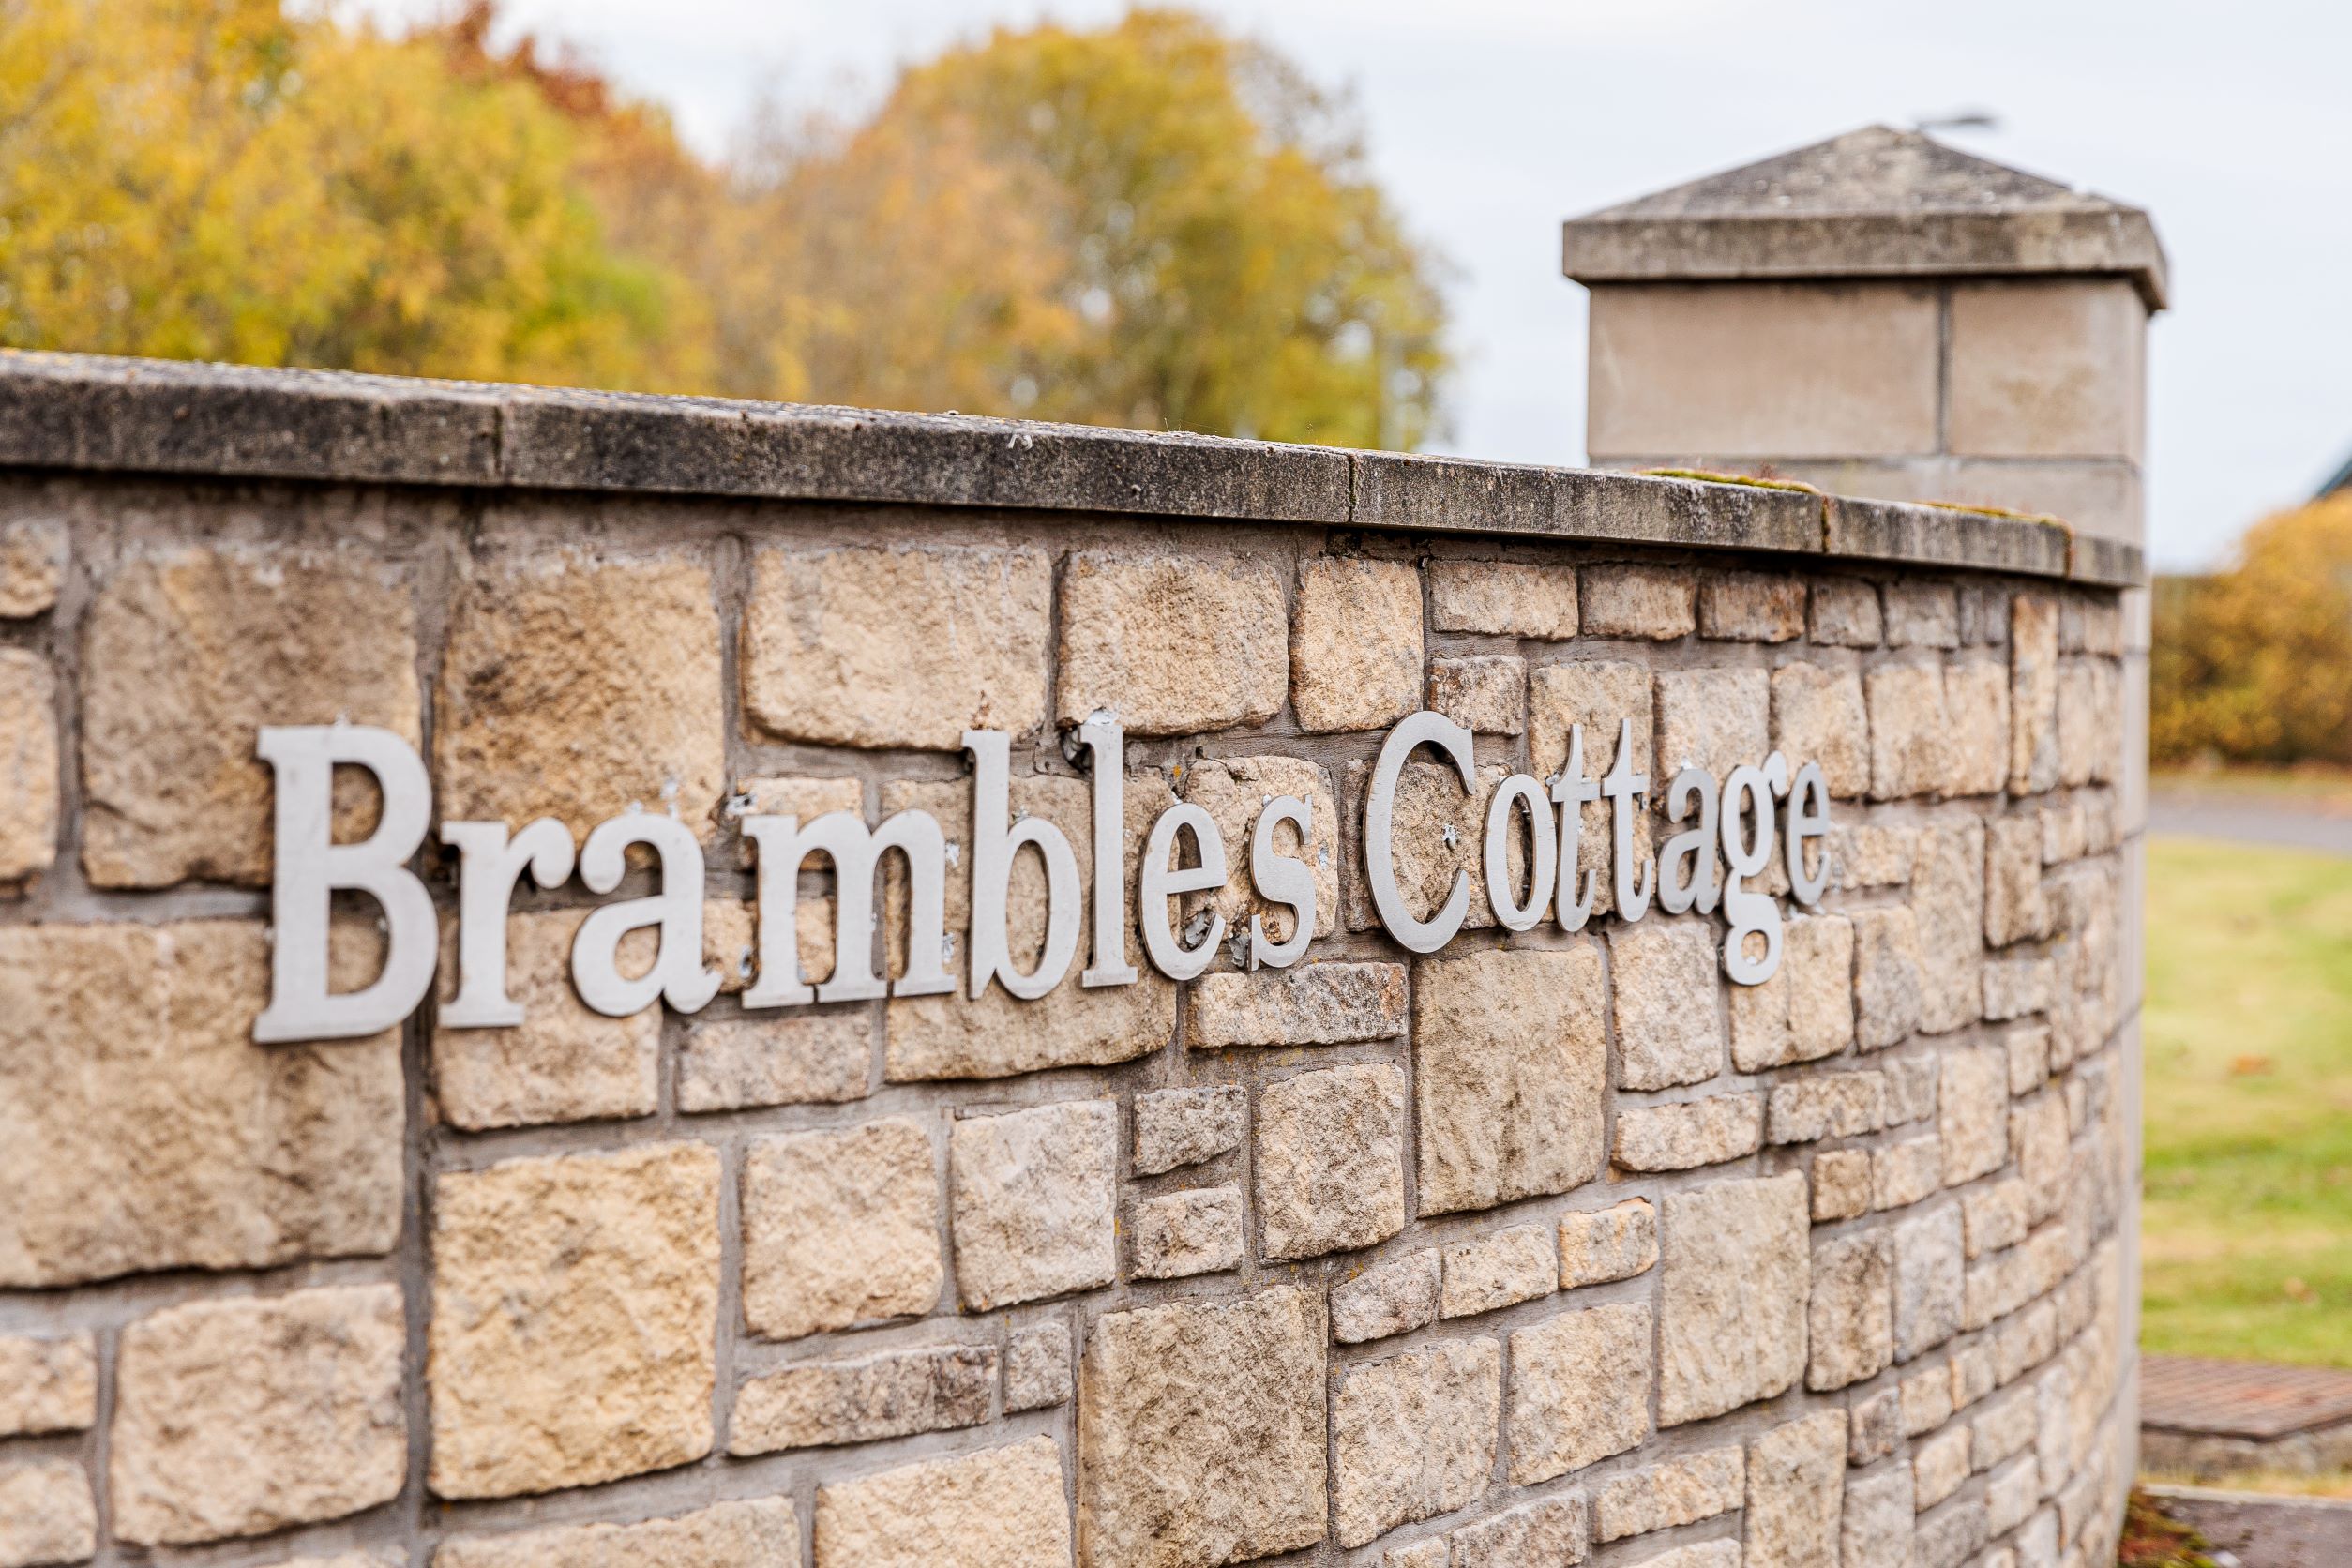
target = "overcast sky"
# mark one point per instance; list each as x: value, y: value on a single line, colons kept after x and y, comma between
x: 1492, y: 120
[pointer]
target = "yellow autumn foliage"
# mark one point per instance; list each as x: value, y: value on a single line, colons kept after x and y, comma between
x: 2255, y: 663
x: 1148, y: 223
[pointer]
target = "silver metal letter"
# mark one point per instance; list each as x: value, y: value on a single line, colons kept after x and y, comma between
x: 489, y: 865
x: 1105, y: 748
x: 993, y: 847
x: 1169, y: 955
x: 1677, y: 893
x: 1749, y: 914
x: 1379, y: 815
x: 309, y: 869
x: 1621, y: 785
x: 1808, y: 820
x: 677, y: 976
x: 842, y: 837
x: 1515, y: 790
x: 1571, y: 791
x: 1283, y: 880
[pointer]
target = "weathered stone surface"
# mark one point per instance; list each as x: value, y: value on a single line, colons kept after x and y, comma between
x: 1911, y: 734
x: 1928, y: 1282
x: 1875, y: 1431
x: 1870, y: 854
x: 1509, y: 1057
x: 789, y: 795
x: 1818, y: 717
x: 1037, y: 1368
x: 244, y: 1416
x: 1911, y: 1088
x: 1548, y: 1531
x: 1500, y: 1270
x: 1201, y: 1431
x: 1498, y: 600
x: 840, y: 1227
x: 1731, y: 1326
x: 1972, y: 1114
x: 2038, y: 1137
x: 47, y: 1514
x: 1938, y: 1466
x: 1355, y: 643
x: 1714, y: 719
x: 1579, y: 1390
x: 1435, y: 831
x: 1435, y: 1552
x: 893, y: 646
x: 1876, y: 1528
x: 1994, y: 1218
x: 2011, y: 1494
x: 1688, y: 1134
x: 563, y: 1063
x: 1950, y: 1536
x: 574, y: 1317
x: 1926, y: 1400
x: 28, y: 768
x: 1903, y: 1173
x: 186, y: 654
x: 1851, y: 1314
x: 1387, y: 1298
x: 48, y: 1385
x: 2014, y: 988
x: 1795, y: 1494
x: 1330, y: 1160
x: 1972, y: 1374
x: 33, y: 553
x: 2088, y: 982
x: 2033, y: 745
x: 1976, y: 699
x: 1656, y: 604
x: 1184, y: 1126
x: 1180, y: 1233
x: 1414, y: 1436
x: 1000, y: 1508
x: 576, y: 688
x: 1841, y: 1184
x: 1031, y: 1195
x: 1599, y: 696
x: 1922, y: 615
x: 1948, y: 902
x: 1831, y: 1105
x: 1311, y: 1005
x: 757, y: 1533
x: 1805, y: 1010
x: 1485, y: 693
x: 776, y: 1060
x: 814, y: 1404
x: 1886, y: 976
x: 1611, y: 1244
x: 1233, y: 790
x: 1173, y: 644
x: 994, y: 1034
x: 1846, y: 614
x: 1678, y: 1492
x: 1662, y: 981
x: 1751, y: 607
x: 2089, y: 729
x: 2003, y: 1428
x: 140, y: 1127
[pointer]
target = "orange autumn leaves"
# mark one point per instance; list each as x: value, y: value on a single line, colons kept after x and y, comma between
x: 1148, y: 223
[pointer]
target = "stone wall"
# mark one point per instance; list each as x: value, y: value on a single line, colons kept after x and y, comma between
x: 1544, y: 1248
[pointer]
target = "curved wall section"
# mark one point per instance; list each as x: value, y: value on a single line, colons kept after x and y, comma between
x: 1542, y: 1246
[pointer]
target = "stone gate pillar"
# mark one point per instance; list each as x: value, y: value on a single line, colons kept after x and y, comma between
x: 1881, y: 315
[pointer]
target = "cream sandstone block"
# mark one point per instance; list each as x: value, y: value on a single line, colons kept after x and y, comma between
x: 1001, y: 1506
x: 1355, y: 644
x: 1172, y: 644
x: 28, y: 769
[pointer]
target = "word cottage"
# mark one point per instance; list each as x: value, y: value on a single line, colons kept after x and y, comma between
x: 1741, y: 817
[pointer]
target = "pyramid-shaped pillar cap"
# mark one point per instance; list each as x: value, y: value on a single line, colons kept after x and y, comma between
x: 1874, y: 202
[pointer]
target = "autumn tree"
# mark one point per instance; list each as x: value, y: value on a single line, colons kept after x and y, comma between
x: 1148, y: 223
x: 223, y: 179
x: 2255, y: 664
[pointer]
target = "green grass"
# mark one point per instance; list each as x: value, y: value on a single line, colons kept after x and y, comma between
x: 2247, y: 1226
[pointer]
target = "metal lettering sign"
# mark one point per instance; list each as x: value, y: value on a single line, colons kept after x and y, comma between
x: 1732, y: 826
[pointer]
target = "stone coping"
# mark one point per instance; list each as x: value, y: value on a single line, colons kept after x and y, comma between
x: 95, y: 413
